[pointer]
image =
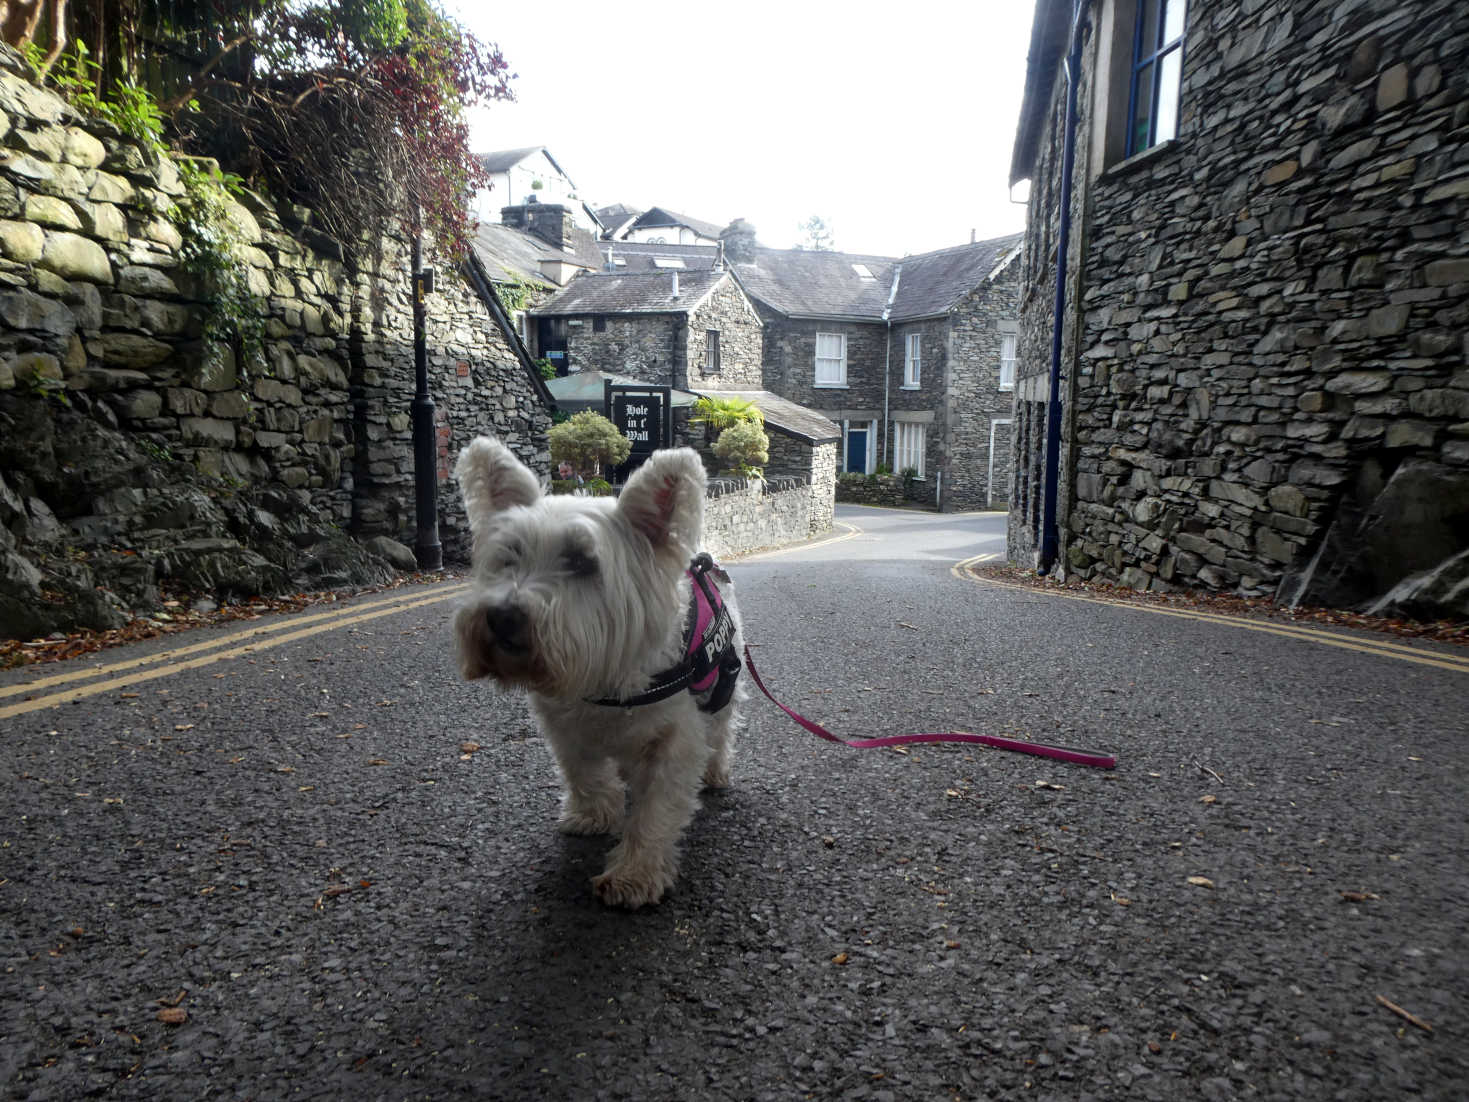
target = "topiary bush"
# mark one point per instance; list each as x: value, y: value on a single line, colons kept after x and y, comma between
x: 588, y: 441
x: 744, y: 449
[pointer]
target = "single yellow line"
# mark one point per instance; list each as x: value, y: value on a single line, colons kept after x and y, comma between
x: 1382, y: 649
x: 195, y: 648
x: 852, y: 531
x: 84, y: 691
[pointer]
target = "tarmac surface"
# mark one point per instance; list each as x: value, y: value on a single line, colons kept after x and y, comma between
x: 300, y: 858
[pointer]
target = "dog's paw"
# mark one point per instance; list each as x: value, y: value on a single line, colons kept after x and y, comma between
x: 625, y: 885
x: 599, y: 820
x: 716, y: 776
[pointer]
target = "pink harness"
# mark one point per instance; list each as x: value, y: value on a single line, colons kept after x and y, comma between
x: 710, y: 664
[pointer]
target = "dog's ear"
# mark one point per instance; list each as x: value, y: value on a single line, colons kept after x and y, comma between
x: 492, y: 479
x: 664, y: 500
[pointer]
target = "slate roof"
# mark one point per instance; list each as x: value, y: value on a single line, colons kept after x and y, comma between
x: 933, y: 282
x: 655, y: 217
x: 505, y: 159
x: 806, y: 283
x: 638, y: 256
x: 630, y: 293
x: 785, y: 415
x: 617, y: 217
x: 507, y: 252
x: 1049, y: 31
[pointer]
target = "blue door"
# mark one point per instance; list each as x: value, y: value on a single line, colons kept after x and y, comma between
x: 857, y: 450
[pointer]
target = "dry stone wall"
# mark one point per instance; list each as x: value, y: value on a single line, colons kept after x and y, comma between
x: 136, y: 454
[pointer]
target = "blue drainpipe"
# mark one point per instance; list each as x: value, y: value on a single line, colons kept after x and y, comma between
x: 1050, y: 540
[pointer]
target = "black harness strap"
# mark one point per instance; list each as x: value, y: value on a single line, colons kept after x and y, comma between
x: 714, y: 650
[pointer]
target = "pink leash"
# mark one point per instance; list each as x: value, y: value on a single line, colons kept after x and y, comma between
x: 1060, y: 753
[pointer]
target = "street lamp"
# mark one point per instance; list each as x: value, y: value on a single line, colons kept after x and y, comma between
x: 426, y: 548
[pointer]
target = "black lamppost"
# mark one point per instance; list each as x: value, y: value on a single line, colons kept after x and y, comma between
x: 426, y: 548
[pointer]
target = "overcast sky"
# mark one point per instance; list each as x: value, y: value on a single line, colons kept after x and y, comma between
x: 893, y: 122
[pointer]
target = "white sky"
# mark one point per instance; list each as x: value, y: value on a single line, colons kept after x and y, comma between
x: 894, y: 122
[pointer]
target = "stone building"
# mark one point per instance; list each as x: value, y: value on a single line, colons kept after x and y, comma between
x: 686, y: 329
x: 1260, y: 213
x: 909, y: 357
x: 534, y: 249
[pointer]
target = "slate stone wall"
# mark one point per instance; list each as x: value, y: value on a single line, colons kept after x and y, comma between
x: 645, y: 347
x: 743, y: 515
x: 973, y: 400
x: 102, y: 325
x: 790, y: 365
x: 1268, y: 309
x: 741, y: 343
x: 925, y: 402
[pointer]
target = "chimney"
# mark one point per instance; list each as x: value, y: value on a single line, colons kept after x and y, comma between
x: 738, y: 239
x: 514, y: 217
x: 551, y: 222
x: 675, y: 285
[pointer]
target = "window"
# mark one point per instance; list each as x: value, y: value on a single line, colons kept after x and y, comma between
x: 1007, y: 361
x: 668, y: 262
x: 911, y: 362
x: 908, y: 442
x: 1157, y: 65
x: 711, y: 350
x: 831, y: 359
x: 599, y: 324
x: 864, y: 273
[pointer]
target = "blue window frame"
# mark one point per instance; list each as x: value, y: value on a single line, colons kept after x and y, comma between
x: 1157, y: 65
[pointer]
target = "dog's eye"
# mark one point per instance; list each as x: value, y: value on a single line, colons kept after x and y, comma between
x: 580, y: 563
x: 507, y: 556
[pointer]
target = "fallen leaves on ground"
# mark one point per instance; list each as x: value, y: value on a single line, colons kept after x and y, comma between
x: 1252, y: 608
x: 59, y: 647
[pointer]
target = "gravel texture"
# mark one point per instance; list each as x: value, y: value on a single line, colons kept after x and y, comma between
x: 336, y: 864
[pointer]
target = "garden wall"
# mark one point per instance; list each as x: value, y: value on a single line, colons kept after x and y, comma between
x: 138, y: 454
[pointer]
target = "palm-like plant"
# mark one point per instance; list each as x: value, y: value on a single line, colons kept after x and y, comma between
x: 717, y: 414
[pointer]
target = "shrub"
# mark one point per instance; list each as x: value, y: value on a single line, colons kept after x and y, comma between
x: 723, y: 413
x: 744, y: 449
x: 588, y: 441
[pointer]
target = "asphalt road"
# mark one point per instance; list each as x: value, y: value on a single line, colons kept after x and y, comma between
x: 282, y: 842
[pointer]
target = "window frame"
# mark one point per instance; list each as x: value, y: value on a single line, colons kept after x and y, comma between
x: 912, y: 361
x: 903, y: 433
x: 840, y: 361
x: 711, y: 351
x: 1013, y: 341
x: 1153, y: 54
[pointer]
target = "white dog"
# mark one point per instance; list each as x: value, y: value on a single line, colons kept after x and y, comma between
x: 629, y: 650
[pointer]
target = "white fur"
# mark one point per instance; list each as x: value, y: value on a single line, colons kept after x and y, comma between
x: 578, y: 599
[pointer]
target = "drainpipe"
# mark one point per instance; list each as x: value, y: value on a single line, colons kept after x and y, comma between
x: 1050, y: 539
x: 887, y: 357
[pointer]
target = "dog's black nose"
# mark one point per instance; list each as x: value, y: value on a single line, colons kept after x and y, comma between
x: 509, y: 627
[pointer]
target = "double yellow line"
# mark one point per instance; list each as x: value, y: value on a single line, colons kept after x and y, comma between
x: 176, y: 660
x: 1381, y: 648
